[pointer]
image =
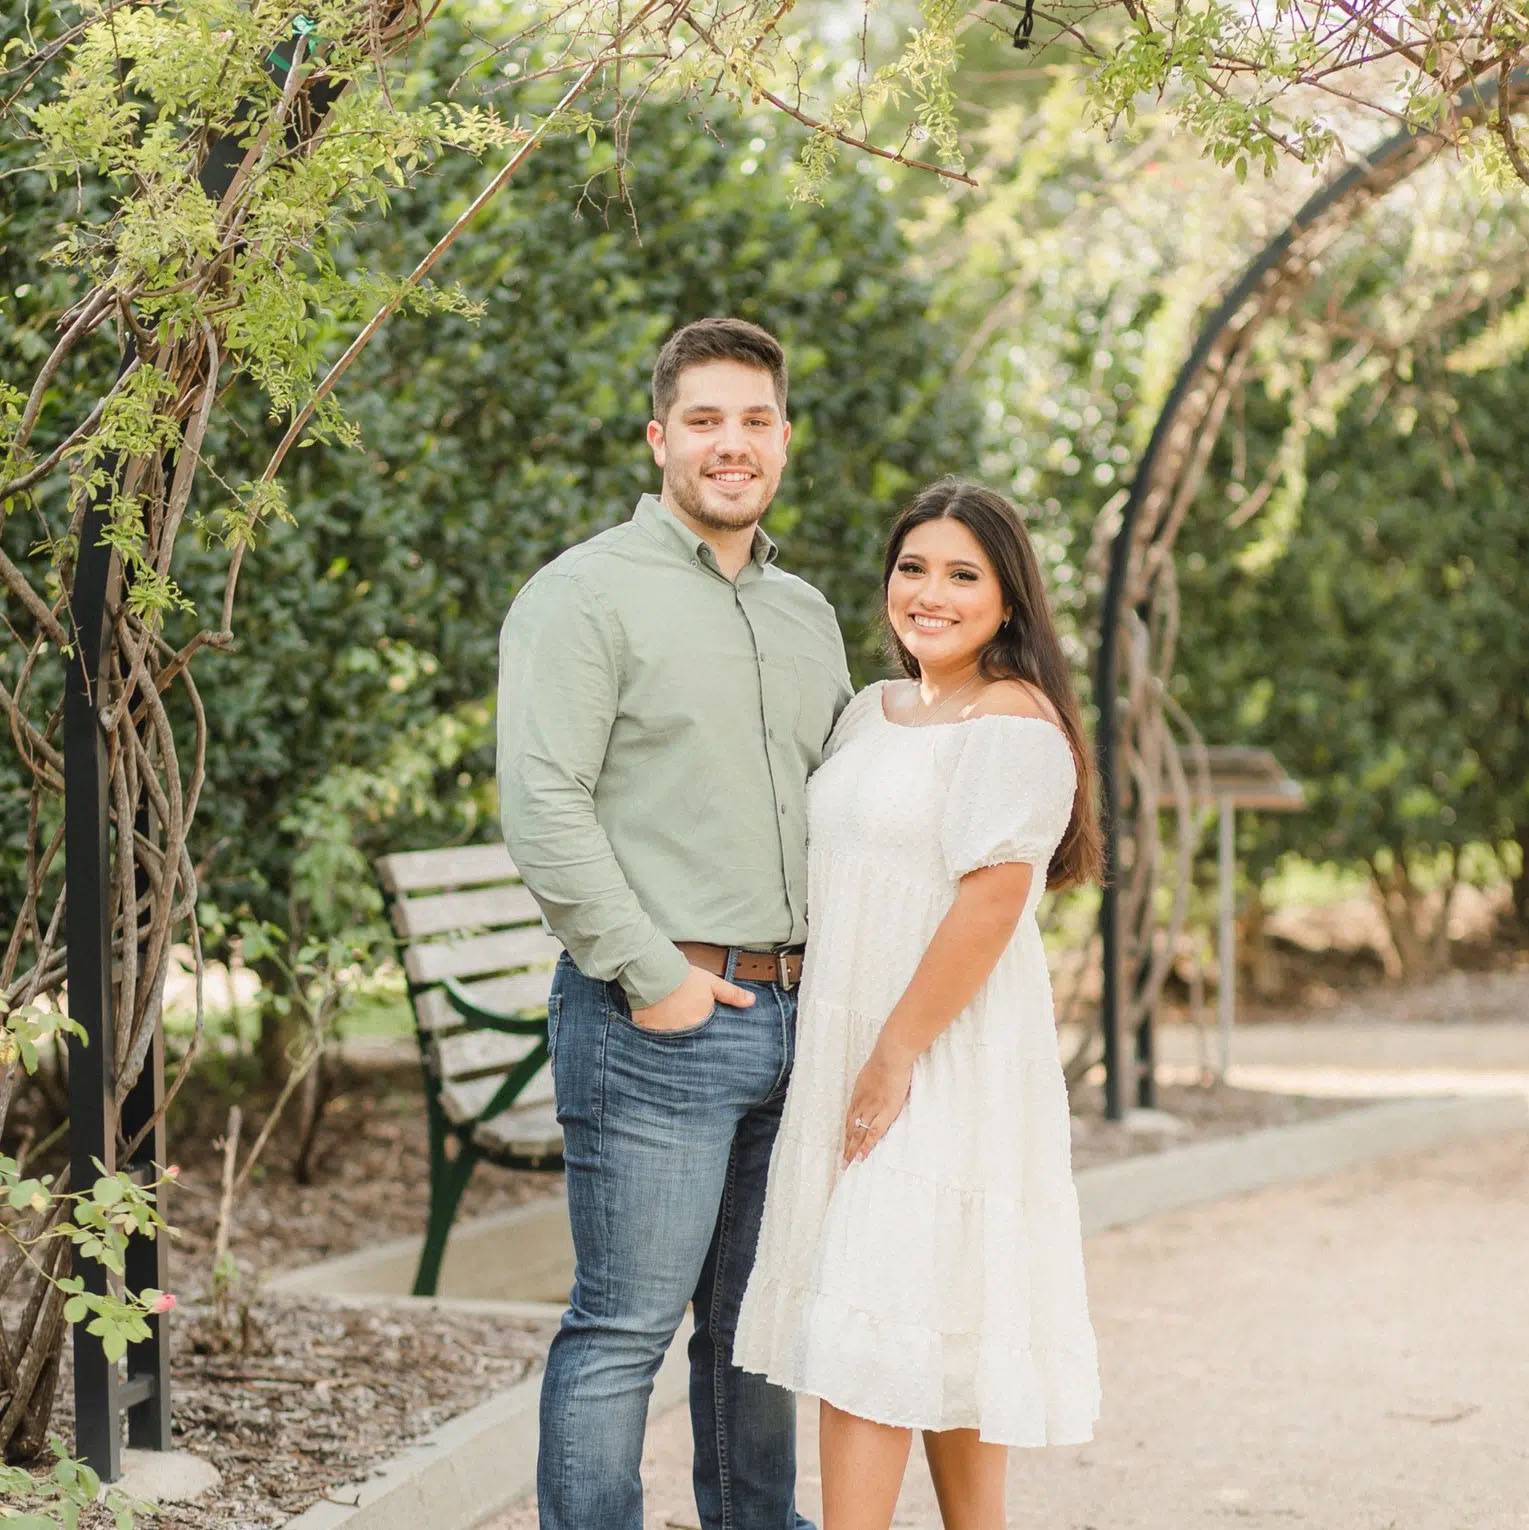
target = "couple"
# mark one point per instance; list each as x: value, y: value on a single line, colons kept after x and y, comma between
x: 666, y: 692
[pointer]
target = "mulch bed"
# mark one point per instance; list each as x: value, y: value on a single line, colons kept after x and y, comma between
x: 303, y: 1397
x: 371, y: 1179
x: 293, y: 1398
x: 374, y: 1176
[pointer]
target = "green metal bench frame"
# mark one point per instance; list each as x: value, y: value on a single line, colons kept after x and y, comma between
x: 455, y: 1145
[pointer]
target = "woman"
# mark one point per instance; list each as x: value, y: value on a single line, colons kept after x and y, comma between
x: 920, y: 1262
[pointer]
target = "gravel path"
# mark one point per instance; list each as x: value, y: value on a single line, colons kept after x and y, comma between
x: 1347, y: 1354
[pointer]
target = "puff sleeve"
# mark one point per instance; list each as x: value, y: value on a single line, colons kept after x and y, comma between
x: 1010, y: 795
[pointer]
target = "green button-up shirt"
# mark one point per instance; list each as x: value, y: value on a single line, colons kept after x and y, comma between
x: 657, y: 725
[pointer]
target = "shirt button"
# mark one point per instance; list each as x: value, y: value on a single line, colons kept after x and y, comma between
x: 783, y: 810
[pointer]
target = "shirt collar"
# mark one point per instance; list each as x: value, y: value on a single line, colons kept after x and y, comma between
x: 659, y: 521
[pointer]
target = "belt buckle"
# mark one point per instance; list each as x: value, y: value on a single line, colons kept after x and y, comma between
x: 782, y: 975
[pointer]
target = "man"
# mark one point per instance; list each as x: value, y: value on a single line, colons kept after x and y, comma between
x: 665, y: 691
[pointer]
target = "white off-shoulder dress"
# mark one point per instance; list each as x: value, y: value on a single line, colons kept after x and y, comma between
x: 938, y: 1283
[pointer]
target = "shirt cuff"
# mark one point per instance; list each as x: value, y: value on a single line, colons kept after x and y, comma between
x: 655, y: 974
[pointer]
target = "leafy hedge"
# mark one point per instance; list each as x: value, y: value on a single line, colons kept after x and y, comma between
x: 370, y: 626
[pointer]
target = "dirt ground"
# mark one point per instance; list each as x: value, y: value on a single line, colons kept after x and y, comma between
x: 1347, y: 1354
x: 372, y: 1181
x: 302, y: 1397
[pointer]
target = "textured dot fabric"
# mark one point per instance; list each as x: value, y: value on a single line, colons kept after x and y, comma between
x: 939, y: 1282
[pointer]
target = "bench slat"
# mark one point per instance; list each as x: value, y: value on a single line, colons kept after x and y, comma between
x: 515, y: 994
x: 523, y: 993
x: 528, y: 1131
x: 469, y: 1053
x: 409, y: 871
x: 486, y: 907
x: 481, y: 955
x: 434, y: 1012
x: 466, y: 1099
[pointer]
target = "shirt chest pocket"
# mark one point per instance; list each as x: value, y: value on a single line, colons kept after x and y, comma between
x: 708, y: 687
x: 728, y: 686
x: 780, y: 697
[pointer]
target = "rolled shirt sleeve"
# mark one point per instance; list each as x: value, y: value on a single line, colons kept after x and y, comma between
x: 559, y: 679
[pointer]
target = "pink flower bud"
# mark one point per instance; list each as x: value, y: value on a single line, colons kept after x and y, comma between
x: 164, y: 1302
x: 173, y: 1172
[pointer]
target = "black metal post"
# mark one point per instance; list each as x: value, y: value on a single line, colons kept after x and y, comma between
x: 1111, y: 954
x: 1145, y: 1058
x: 87, y: 862
x: 100, y: 1392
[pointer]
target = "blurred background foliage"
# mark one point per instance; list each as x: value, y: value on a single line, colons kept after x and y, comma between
x: 1351, y: 573
x: 353, y: 714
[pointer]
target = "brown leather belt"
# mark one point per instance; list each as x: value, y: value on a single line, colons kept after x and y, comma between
x: 783, y: 967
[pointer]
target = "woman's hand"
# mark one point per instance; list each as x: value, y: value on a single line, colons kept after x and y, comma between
x: 880, y: 1092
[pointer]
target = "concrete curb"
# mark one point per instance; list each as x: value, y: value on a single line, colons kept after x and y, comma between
x: 1114, y: 1194
x: 471, y: 1468
x: 524, y: 1254
x: 478, y: 1465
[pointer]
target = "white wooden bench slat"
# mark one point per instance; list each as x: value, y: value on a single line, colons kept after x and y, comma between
x: 484, y: 907
x: 528, y: 1131
x: 512, y: 995
x: 409, y: 871
x: 481, y: 955
x: 524, y: 993
x: 466, y: 1099
x: 477, y: 888
x: 469, y: 1052
x: 434, y: 1013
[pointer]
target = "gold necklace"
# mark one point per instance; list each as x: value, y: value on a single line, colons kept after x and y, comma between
x: 953, y: 697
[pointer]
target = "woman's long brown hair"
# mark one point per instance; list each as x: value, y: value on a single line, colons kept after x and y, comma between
x: 1025, y: 648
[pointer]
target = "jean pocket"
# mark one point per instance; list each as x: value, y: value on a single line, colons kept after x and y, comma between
x: 554, y: 1015
x: 620, y: 1011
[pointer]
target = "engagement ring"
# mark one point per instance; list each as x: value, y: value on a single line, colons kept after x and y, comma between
x: 864, y: 1126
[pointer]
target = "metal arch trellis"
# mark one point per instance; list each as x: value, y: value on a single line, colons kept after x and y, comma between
x: 1139, y: 765
x: 100, y: 1114
x: 116, y: 1081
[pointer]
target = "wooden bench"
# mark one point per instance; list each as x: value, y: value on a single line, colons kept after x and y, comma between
x: 479, y: 966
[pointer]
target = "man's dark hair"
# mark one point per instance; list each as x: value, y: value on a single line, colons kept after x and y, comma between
x: 716, y: 340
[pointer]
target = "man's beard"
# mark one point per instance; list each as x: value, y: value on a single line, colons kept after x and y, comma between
x: 687, y: 495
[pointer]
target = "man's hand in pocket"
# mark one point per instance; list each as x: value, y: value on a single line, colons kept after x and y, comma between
x: 691, y: 1003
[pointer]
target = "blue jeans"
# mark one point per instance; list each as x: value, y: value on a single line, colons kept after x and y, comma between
x: 667, y: 1142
